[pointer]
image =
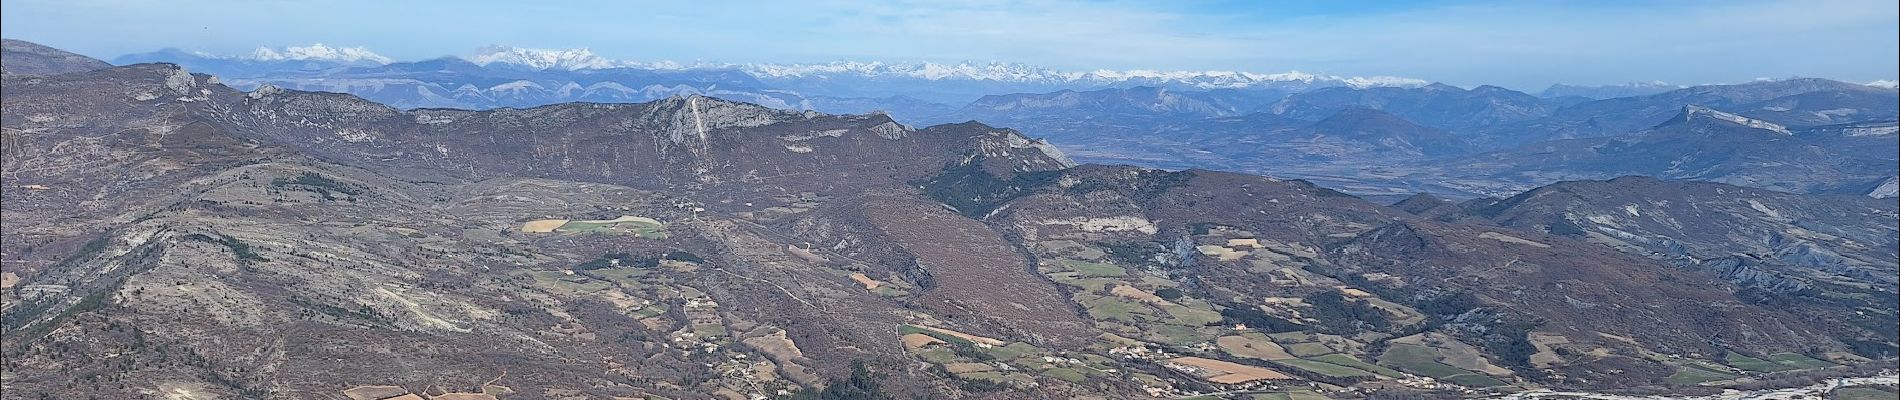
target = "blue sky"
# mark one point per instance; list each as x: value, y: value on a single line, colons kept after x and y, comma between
x: 1519, y: 44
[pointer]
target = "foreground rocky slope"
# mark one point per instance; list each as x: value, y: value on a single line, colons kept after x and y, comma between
x: 1830, y: 256
x: 28, y: 58
x: 166, y: 235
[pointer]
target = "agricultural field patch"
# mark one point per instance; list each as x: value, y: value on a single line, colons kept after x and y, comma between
x: 1087, y: 269
x: 948, y: 335
x: 1308, y: 349
x: 1106, y: 308
x: 542, y: 225
x: 1452, y: 352
x: 1180, y: 335
x: 1349, y: 361
x: 1225, y: 372
x: 1184, y: 314
x: 1069, y: 249
x: 1546, y: 354
x: 1252, y: 345
x: 1689, y: 374
x: 1798, y: 361
x: 1864, y: 393
x: 1071, y: 375
x: 1324, y: 368
x: 1087, y: 284
x: 641, y: 227
x: 869, y: 284
x: 1475, y: 380
x: 567, y: 282
x: 1131, y: 293
x: 1738, y: 360
x: 1418, y: 360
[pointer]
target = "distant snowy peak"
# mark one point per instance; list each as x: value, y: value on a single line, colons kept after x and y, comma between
x: 539, y: 59
x: 1885, y: 83
x: 317, y: 52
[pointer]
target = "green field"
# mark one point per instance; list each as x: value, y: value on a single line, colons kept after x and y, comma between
x: 1185, y: 315
x: 1333, y: 370
x: 1105, y: 308
x: 1181, y: 335
x: 1738, y: 360
x: 1012, y: 351
x: 938, y: 355
x: 624, y: 276
x: 1307, y: 349
x: 1094, y: 270
x: 1474, y: 380
x: 1067, y: 374
x: 996, y: 376
x: 1090, y: 284
x: 652, y: 310
x: 709, y: 330
x: 1345, y: 360
x: 1798, y: 361
x: 1688, y: 374
x: 1418, y: 360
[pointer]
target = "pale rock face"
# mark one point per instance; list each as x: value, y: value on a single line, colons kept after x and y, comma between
x: 1011, y: 142
x: 1886, y: 190
x: 890, y: 130
x: 1123, y: 223
x: 354, y: 136
x: 1693, y: 111
x: 264, y: 91
x: 180, y: 81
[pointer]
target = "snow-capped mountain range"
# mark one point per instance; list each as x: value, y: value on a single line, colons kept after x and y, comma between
x: 581, y: 59
x: 318, y: 52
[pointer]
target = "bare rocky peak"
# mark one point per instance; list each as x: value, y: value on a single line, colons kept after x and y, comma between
x: 691, y: 118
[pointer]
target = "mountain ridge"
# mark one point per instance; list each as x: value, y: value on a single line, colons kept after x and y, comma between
x: 693, y: 245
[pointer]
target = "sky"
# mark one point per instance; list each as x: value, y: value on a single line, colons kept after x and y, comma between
x: 1523, y: 44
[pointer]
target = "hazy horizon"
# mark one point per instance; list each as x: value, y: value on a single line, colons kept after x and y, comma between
x: 1520, y: 45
